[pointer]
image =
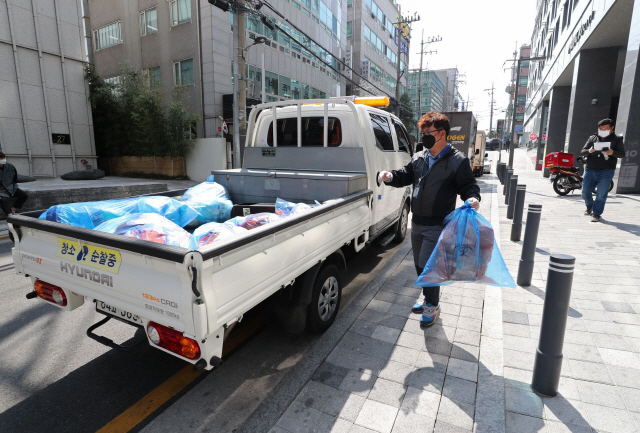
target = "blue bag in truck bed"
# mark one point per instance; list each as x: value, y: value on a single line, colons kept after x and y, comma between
x: 286, y: 208
x: 211, y: 200
x: 91, y: 214
x: 466, y: 251
x: 148, y: 227
x: 214, y: 232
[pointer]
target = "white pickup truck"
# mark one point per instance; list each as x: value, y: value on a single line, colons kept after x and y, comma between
x: 187, y: 301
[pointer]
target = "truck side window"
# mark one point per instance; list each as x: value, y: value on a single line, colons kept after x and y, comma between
x: 404, y: 145
x: 312, y: 132
x: 382, y: 132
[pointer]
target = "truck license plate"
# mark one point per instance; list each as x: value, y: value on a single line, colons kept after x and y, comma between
x: 553, y: 176
x: 118, y: 313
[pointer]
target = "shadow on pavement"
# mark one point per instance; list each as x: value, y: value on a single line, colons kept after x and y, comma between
x: 633, y: 229
x: 444, y: 369
x: 535, y: 290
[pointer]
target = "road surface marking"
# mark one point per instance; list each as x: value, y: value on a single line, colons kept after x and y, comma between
x: 176, y: 383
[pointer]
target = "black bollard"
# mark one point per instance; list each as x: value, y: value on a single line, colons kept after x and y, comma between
x: 525, y: 269
x: 508, y: 192
x: 516, y: 226
x: 507, y: 175
x: 511, y: 196
x: 500, y: 171
x: 548, y: 364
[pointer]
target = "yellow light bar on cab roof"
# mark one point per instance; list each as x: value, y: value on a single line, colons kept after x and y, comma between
x: 372, y: 101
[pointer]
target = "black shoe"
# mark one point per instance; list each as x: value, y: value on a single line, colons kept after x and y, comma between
x: 588, y: 212
x: 595, y: 218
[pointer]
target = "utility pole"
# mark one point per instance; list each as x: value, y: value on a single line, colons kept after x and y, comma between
x: 512, y: 100
x: 236, y: 93
x: 242, y: 86
x: 491, y: 115
x: 398, y: 27
x: 422, y: 52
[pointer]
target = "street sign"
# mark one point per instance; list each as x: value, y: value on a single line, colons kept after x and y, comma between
x: 533, y: 136
x: 544, y: 136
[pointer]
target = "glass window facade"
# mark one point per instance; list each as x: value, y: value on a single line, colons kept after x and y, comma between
x: 148, y: 21
x: 183, y: 72
x: 180, y: 12
x: 107, y: 36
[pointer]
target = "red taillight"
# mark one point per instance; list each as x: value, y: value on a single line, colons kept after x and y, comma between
x: 51, y: 293
x: 173, y: 341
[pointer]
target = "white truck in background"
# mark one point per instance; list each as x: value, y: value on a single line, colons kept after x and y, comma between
x: 479, y: 148
x: 188, y: 301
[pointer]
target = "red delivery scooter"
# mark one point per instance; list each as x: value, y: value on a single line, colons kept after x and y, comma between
x: 564, y: 175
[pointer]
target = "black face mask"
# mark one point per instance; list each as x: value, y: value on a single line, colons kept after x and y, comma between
x: 428, y: 141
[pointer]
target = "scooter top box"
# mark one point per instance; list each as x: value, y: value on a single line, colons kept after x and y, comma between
x: 558, y: 159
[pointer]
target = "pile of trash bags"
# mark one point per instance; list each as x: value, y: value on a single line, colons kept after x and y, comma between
x: 90, y: 215
x: 205, y: 207
x: 148, y: 227
x: 211, y: 200
x: 466, y: 251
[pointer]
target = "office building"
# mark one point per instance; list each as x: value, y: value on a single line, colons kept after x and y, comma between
x: 431, y: 97
x: 189, y: 44
x: 45, y: 115
x: 450, y: 78
x: 589, y: 73
x: 372, y: 44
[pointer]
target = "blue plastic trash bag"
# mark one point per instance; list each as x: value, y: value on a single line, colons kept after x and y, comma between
x: 213, y: 232
x: 210, y: 200
x: 286, y: 208
x: 255, y: 220
x: 91, y: 214
x: 466, y: 251
x: 148, y: 227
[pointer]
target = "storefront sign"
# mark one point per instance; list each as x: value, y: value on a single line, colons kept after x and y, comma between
x: 581, y: 31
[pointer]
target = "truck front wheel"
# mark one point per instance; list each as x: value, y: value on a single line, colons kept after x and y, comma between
x: 325, y: 299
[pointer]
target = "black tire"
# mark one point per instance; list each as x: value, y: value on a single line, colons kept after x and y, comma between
x: 403, y: 223
x: 559, y: 189
x: 325, y: 297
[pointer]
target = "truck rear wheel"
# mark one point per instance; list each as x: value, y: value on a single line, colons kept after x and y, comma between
x: 325, y: 299
x: 403, y: 223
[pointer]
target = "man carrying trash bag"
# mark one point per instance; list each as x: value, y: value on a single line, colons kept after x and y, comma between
x: 438, y: 174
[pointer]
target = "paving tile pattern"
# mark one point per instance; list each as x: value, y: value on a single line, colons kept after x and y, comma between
x: 471, y: 371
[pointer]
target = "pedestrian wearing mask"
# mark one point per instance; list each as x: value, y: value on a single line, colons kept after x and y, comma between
x: 601, y: 166
x: 438, y: 173
x: 9, y: 187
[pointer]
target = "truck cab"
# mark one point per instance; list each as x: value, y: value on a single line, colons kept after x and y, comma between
x: 359, y: 141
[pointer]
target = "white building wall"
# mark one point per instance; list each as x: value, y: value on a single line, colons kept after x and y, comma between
x: 42, y: 87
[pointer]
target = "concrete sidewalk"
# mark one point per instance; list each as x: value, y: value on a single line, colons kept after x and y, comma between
x: 471, y: 371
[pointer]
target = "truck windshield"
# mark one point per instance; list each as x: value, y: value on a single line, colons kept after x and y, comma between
x: 312, y: 132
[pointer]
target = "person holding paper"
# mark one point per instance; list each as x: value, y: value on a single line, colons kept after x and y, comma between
x: 601, y: 152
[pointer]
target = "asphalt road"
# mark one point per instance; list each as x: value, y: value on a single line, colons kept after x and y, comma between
x: 54, y: 378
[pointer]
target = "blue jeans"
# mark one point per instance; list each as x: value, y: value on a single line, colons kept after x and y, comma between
x: 423, y: 241
x: 601, y: 179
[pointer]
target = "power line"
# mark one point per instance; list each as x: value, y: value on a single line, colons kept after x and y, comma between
x: 267, y: 22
